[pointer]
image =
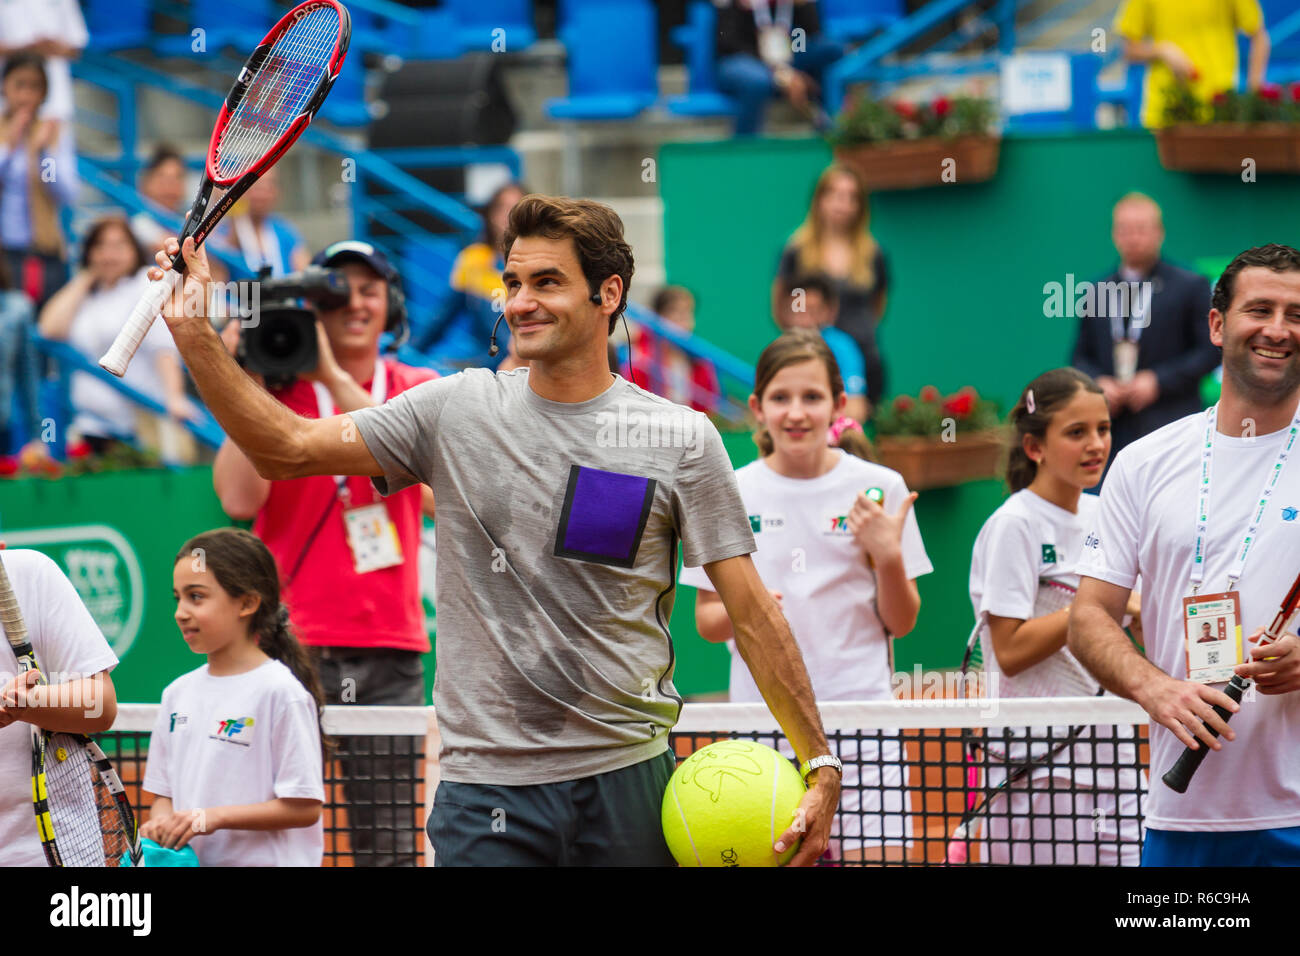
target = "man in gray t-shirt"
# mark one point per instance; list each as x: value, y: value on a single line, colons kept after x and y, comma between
x: 562, y: 493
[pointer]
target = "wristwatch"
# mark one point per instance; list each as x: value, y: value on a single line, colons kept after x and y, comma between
x: 825, y: 760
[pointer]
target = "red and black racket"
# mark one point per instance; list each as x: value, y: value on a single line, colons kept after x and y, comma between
x: 274, y: 98
x: 1180, y: 774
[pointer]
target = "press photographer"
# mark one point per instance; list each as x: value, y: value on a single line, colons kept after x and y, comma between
x: 347, y: 557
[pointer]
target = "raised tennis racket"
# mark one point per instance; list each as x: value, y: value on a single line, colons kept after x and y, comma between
x: 1179, y: 776
x: 275, y: 97
x: 83, y: 815
x: 1058, y: 676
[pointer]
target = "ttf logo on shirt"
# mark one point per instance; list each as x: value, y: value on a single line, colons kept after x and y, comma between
x: 1049, y: 554
x: 836, y: 524
x: 177, y: 720
x: 228, y: 729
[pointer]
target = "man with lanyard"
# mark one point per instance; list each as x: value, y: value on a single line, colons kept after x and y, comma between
x: 347, y: 558
x: 1180, y: 509
x: 1146, y: 343
x: 770, y: 47
x: 559, y: 545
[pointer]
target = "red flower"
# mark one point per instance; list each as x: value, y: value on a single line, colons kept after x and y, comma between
x: 79, y: 449
x: 1295, y: 92
x: 8, y: 466
x: 1220, y: 99
x: 1270, y: 92
x: 929, y: 394
x: 903, y: 403
x: 905, y: 109
x: 960, y: 404
x: 942, y: 107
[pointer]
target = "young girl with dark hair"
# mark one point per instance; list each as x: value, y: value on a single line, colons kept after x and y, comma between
x: 1060, y: 447
x: 235, y: 760
x: 839, y: 548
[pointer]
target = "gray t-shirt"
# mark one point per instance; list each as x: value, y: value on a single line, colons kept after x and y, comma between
x: 558, y: 526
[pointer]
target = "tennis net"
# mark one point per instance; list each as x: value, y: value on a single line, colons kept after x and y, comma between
x: 1058, y: 781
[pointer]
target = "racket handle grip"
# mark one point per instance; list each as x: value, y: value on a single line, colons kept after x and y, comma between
x: 1179, y: 776
x: 119, y: 354
x: 958, y: 845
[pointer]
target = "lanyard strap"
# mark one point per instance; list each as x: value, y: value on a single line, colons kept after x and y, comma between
x: 784, y: 14
x: 1203, y: 500
x: 1135, y: 303
x: 325, y: 402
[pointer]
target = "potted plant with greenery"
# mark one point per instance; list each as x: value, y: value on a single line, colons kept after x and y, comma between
x: 935, y: 441
x: 1218, y: 137
x: 903, y: 145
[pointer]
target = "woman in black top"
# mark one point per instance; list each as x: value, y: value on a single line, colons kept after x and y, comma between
x: 836, y: 239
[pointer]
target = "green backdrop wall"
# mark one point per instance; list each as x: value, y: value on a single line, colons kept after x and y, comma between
x: 968, y: 265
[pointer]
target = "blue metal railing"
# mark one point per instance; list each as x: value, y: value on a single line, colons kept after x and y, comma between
x: 69, y: 360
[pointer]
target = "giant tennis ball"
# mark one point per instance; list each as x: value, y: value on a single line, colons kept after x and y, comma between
x: 728, y: 802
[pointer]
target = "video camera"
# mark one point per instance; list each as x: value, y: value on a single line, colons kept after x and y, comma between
x: 281, y: 344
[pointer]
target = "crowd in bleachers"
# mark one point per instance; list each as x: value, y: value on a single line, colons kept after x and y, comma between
x: 832, y: 275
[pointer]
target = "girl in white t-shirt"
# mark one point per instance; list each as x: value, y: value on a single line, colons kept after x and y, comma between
x: 235, y: 760
x: 840, y: 565
x: 1064, y: 816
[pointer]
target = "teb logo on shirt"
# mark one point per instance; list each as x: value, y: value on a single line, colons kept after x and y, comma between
x: 177, y: 720
x: 1049, y: 554
x: 758, y: 523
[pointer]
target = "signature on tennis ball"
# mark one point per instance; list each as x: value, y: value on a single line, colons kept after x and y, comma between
x: 710, y: 769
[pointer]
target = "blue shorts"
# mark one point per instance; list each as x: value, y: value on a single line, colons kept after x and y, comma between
x: 1280, y: 847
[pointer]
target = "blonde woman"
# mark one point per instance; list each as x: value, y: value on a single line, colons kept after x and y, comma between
x: 836, y: 239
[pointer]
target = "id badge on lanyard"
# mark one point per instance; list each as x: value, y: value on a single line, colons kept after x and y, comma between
x: 1212, y: 623
x: 370, y: 531
x: 774, y: 37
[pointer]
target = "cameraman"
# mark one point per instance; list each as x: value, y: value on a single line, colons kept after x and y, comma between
x: 355, y: 597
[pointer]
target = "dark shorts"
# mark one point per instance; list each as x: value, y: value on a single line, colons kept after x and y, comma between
x: 611, y: 819
x: 1277, y: 847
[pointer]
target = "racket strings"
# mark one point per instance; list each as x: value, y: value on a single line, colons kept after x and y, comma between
x: 278, y: 93
x: 88, y: 825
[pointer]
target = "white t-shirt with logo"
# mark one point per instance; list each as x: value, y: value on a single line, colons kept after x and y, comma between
x: 245, y: 738
x: 806, y: 552
x: 68, y: 644
x: 1146, y: 526
x: 1027, y: 540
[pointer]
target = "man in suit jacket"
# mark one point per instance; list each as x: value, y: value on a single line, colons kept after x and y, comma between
x: 1171, y: 336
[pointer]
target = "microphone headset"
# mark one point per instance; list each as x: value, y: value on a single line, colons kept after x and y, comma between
x: 492, y: 342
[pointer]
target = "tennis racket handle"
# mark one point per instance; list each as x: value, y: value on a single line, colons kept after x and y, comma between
x: 119, y: 354
x: 1178, y: 776
x: 958, y: 846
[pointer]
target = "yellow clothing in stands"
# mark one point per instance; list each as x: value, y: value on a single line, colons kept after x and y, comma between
x: 476, y: 271
x: 1205, y: 30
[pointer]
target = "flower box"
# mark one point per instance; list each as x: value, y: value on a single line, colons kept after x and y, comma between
x: 1222, y: 147
x: 914, y: 164
x: 934, y: 463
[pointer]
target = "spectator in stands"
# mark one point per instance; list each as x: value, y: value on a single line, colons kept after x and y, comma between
x: 88, y: 313
x: 673, y: 373
x: 163, y: 183
x: 810, y: 303
x: 470, y: 311
x: 1192, y: 43
x: 18, y: 369
x: 38, y: 176
x: 835, y: 239
x: 767, y: 48
x: 1149, y: 359
x: 354, y: 593
x: 56, y: 31
x: 259, y: 236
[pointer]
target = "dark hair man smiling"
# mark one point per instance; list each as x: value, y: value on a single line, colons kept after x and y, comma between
x: 554, y: 687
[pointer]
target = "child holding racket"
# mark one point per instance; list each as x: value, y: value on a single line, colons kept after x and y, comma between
x: 1025, y: 563
x: 235, y: 760
x: 839, y: 547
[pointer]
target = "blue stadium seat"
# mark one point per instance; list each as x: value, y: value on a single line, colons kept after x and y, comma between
x: 239, y: 24
x: 612, y: 62
x: 476, y: 21
x: 118, y: 24
x: 696, y: 37
x: 845, y: 20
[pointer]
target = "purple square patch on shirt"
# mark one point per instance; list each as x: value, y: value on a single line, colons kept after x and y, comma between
x: 604, y: 516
